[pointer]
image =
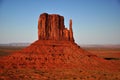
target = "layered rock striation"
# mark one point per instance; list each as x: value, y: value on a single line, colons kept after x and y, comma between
x: 51, y: 27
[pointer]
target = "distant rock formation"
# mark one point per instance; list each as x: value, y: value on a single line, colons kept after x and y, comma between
x: 51, y: 27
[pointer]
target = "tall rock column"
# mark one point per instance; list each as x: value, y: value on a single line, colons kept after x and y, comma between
x: 55, y: 27
x: 42, y: 25
x: 71, y: 31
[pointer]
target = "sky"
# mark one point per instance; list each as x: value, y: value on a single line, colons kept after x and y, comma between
x: 94, y: 21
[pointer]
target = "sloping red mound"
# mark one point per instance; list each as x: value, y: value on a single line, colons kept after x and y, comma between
x: 49, y: 54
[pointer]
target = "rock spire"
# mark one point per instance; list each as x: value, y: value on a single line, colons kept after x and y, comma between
x: 51, y: 27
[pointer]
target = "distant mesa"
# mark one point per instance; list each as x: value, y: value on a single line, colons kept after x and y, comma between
x: 51, y: 27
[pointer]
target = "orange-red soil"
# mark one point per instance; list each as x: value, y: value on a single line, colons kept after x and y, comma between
x: 56, y: 60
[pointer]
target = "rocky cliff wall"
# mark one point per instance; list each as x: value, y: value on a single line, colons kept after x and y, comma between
x: 51, y: 27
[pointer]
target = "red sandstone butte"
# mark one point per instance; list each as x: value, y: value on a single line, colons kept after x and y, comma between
x: 51, y: 27
x: 55, y: 48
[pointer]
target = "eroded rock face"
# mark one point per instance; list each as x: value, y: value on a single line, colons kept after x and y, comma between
x: 51, y: 27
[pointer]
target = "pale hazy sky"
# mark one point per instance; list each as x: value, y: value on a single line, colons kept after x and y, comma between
x: 94, y: 21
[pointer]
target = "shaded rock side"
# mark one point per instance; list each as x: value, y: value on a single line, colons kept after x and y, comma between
x: 51, y: 27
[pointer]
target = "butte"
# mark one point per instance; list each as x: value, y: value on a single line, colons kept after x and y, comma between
x: 54, y: 49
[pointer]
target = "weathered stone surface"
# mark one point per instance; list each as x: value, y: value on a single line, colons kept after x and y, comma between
x: 51, y: 27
